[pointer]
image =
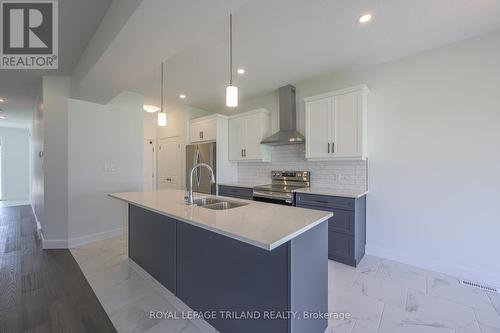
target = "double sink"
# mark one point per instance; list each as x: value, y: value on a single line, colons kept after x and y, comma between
x: 217, y: 204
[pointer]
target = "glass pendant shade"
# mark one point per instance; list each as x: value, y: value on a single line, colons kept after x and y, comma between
x: 231, y: 96
x: 162, y: 119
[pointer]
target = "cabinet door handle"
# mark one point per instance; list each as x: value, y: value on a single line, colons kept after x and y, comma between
x: 333, y: 147
x: 328, y: 147
x: 244, y: 153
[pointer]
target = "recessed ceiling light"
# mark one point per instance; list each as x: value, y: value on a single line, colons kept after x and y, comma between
x: 241, y: 71
x: 150, y: 108
x: 2, y: 100
x: 365, y: 18
x: 182, y: 96
x: 2, y: 117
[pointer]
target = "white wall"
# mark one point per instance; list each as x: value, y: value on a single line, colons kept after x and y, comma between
x: 16, y: 163
x: 434, y: 134
x: 105, y: 156
x: 434, y: 130
x: 55, y: 161
x: 150, y: 126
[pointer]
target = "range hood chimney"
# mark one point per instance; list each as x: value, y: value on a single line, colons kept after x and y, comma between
x: 287, y: 134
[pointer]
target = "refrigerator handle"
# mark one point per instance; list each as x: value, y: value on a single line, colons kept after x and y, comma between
x: 212, y: 155
x: 195, y: 161
x: 198, y: 172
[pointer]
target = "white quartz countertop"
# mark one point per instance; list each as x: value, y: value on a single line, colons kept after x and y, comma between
x: 311, y: 190
x: 260, y: 224
x: 332, y: 192
x: 243, y: 184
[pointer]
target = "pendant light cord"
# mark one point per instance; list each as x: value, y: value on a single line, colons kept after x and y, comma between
x: 230, y: 49
x: 161, y: 85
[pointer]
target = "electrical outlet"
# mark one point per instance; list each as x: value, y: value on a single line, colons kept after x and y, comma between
x: 109, y: 167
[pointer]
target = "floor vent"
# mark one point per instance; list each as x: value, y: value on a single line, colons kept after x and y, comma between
x: 480, y: 286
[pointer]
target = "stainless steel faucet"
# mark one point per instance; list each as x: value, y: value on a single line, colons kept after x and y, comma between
x: 189, y: 197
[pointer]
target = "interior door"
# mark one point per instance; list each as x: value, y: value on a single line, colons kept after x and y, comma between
x: 252, y: 136
x: 169, y: 163
x: 236, y: 138
x: 347, y: 113
x: 149, y: 165
x: 319, y: 129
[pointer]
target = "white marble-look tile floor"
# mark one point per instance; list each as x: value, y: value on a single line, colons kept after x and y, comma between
x: 380, y: 296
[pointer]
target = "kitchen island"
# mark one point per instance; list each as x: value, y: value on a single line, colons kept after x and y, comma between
x: 256, y: 267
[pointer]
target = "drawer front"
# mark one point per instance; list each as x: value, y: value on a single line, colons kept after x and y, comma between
x: 237, y: 192
x: 325, y: 201
x: 342, y: 220
x: 340, y: 245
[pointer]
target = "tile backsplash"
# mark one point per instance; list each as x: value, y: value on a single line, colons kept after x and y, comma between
x: 342, y: 175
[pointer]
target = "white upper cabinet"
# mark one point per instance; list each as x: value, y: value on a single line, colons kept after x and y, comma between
x: 318, y: 118
x: 246, y: 131
x: 237, y: 138
x: 203, y: 129
x: 336, y: 125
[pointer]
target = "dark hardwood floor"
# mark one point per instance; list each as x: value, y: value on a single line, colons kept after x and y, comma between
x: 42, y: 290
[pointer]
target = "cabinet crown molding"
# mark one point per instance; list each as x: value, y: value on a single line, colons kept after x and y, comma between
x: 362, y: 87
x: 210, y: 116
x: 249, y: 113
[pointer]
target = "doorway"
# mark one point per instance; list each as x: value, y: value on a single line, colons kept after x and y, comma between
x: 149, y: 165
x: 169, y: 163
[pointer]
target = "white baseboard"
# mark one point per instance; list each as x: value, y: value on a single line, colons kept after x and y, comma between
x: 78, y: 241
x: 51, y: 244
x: 87, y: 239
x: 73, y: 242
x: 435, y: 265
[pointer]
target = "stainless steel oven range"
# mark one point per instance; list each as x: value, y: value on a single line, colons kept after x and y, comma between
x: 283, y: 183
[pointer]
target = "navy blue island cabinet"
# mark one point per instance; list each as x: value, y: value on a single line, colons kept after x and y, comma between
x: 250, y: 289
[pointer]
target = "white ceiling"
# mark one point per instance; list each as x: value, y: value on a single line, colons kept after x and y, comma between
x: 276, y: 41
x: 21, y: 88
x: 288, y: 41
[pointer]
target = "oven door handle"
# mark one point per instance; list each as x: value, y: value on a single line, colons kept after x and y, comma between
x: 285, y: 197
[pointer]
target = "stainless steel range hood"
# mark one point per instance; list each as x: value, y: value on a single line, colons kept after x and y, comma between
x: 287, y: 135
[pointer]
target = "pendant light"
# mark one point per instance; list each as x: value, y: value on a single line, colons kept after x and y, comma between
x: 162, y: 116
x: 231, y: 91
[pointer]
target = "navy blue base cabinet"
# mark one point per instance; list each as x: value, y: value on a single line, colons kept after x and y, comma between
x: 236, y: 192
x: 347, y: 227
x: 152, y: 244
x: 212, y: 272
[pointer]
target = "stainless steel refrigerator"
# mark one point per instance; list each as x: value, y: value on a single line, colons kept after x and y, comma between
x: 201, y: 153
